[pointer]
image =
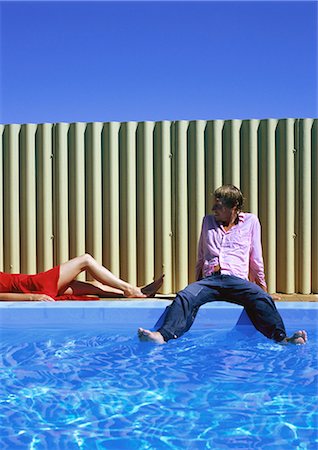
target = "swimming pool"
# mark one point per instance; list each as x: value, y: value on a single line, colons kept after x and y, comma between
x: 75, y: 376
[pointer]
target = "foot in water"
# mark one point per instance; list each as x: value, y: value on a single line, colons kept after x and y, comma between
x: 150, y: 336
x: 151, y: 289
x: 298, y: 338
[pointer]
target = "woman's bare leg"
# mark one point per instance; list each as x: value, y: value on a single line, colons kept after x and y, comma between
x: 95, y: 288
x: 72, y: 268
x: 77, y: 287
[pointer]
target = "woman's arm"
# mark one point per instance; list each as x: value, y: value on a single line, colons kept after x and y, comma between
x: 10, y: 297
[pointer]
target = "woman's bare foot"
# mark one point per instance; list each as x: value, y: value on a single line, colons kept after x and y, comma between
x: 147, y: 291
x: 298, y: 338
x: 151, y: 289
x: 150, y: 336
x: 133, y: 292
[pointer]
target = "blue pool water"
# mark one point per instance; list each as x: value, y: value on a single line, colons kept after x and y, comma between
x: 80, y: 379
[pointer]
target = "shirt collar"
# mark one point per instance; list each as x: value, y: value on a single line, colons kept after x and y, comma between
x: 241, y: 217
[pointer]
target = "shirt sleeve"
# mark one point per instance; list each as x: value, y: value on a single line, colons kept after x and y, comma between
x: 256, y: 256
x: 200, y: 259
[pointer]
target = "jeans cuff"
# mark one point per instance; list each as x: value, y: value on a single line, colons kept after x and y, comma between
x: 166, y: 335
x: 279, y: 335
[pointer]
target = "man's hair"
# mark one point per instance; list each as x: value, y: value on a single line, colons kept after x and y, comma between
x: 230, y: 196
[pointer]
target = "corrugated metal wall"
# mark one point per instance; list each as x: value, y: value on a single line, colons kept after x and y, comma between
x: 134, y: 194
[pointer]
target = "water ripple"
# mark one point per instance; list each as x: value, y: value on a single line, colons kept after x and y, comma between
x: 86, y: 390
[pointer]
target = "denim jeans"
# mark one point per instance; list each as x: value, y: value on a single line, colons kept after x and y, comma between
x: 259, y: 306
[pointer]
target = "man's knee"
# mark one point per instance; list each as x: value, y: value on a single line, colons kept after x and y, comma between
x: 255, y: 292
x: 193, y: 290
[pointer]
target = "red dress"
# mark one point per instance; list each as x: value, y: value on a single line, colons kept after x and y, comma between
x: 40, y: 283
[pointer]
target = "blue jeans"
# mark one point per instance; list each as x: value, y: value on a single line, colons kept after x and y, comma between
x: 259, y: 306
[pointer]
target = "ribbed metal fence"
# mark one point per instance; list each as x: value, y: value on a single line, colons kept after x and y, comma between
x: 133, y: 194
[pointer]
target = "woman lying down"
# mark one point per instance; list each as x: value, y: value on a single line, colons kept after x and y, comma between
x: 59, y: 283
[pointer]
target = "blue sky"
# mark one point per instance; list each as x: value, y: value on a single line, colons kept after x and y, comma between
x: 124, y: 61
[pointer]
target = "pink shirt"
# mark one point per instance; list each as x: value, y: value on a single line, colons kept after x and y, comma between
x: 237, y: 251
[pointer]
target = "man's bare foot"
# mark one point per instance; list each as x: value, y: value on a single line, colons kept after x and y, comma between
x: 150, y: 336
x: 151, y: 289
x: 298, y: 338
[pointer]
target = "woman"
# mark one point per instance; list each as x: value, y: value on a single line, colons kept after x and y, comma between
x: 59, y: 283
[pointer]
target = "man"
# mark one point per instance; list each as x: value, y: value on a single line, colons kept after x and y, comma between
x: 229, y: 254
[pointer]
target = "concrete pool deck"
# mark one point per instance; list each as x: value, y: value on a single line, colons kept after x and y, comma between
x: 284, y: 298
x: 298, y: 298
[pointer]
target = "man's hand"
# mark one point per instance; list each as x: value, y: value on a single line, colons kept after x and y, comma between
x: 276, y: 297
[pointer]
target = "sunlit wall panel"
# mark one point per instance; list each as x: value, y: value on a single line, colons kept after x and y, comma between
x: 134, y: 195
x: 11, y: 199
x: 44, y: 189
